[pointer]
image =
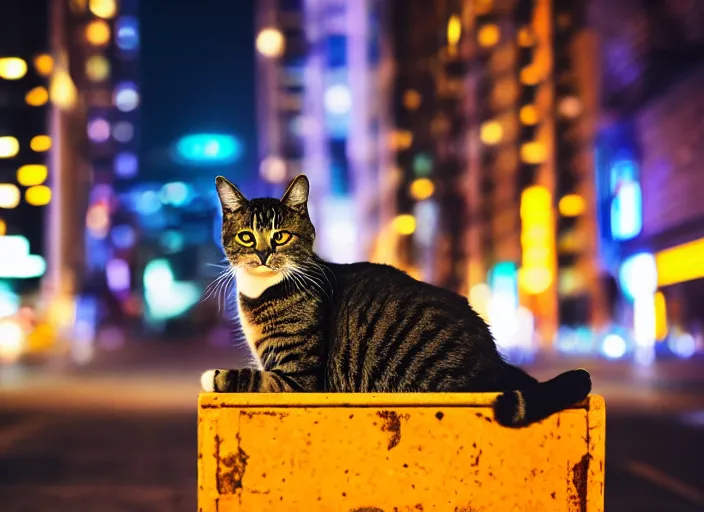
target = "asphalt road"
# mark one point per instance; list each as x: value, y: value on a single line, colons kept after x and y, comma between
x: 125, y: 440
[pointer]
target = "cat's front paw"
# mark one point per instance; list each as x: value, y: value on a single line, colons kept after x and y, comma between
x: 207, y: 380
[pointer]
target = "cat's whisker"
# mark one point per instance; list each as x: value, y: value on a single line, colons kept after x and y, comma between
x: 213, y: 286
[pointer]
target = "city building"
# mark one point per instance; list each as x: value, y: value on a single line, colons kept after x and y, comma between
x: 649, y: 152
x: 319, y: 114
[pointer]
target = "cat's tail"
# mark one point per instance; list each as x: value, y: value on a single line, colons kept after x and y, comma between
x: 536, y: 402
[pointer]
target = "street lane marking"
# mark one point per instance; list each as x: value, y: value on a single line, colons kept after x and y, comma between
x: 665, y: 481
x: 13, y: 434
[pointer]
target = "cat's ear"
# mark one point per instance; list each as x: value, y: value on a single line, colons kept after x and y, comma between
x: 230, y: 196
x: 296, y: 195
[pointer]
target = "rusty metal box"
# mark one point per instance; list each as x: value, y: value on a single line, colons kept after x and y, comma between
x: 393, y: 453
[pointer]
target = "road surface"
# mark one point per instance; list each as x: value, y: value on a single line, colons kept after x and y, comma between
x: 121, y: 435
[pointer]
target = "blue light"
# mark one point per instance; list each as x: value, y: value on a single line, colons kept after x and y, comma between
x: 126, y: 165
x: 176, y: 193
x: 627, y: 211
x: 127, y: 33
x: 208, y: 149
x: 123, y: 236
x: 638, y: 275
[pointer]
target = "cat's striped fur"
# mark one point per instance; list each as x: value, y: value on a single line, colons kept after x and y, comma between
x: 363, y: 327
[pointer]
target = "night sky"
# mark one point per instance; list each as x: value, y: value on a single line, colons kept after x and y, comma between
x: 197, y: 72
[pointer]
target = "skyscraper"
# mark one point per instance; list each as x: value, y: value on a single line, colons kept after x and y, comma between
x: 317, y: 66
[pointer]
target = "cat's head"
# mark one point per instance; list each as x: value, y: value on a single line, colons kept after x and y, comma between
x: 266, y: 234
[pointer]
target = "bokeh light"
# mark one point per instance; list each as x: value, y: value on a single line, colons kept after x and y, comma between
x: 9, y: 195
x: 99, y: 130
x: 338, y: 99
x: 126, y: 164
x: 421, y: 189
x: 40, y: 143
x: 9, y: 147
x: 103, y: 8
x: 273, y: 169
x: 126, y: 97
x: 32, y: 174
x: 412, y: 99
x: 12, y: 68
x: 37, y: 96
x: 488, y: 35
x: 127, y: 33
x: 44, y: 64
x: 39, y: 195
x: 98, y: 33
x: 491, y: 132
x: 270, y: 42
x: 123, y: 131
x: 404, y: 224
x: 97, y: 68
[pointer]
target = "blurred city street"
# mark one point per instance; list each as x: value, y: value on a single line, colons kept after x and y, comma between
x: 120, y: 435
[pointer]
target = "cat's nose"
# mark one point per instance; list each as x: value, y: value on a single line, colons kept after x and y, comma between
x: 263, y: 256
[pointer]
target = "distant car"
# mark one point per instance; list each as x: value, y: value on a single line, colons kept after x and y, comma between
x: 24, y: 337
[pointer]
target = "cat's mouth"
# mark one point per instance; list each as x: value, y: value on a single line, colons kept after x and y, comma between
x: 262, y: 270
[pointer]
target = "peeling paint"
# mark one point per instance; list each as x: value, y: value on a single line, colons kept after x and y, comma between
x: 580, y: 473
x: 366, y: 509
x: 392, y: 424
x: 229, y: 480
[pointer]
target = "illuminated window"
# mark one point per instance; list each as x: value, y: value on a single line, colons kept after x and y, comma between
x: 32, y: 174
x: 98, y: 33
x: 126, y: 97
x: 526, y: 37
x: 627, y: 211
x: 400, y: 139
x: 270, y: 42
x: 9, y: 147
x: 529, y: 115
x: 3, y: 227
x: 38, y: 196
x: 411, y: 99
x: 37, y: 97
x: 44, y: 64
x: 572, y: 205
x: 9, y: 195
x: 569, y: 107
x: 97, y: 68
x: 533, y: 153
x: 491, y: 132
x: 422, y: 189
x: 12, y: 68
x: 488, y: 35
x: 103, y: 8
x: 530, y: 75
x: 404, y: 224
x: 62, y: 90
x: 454, y: 30
x: 338, y: 99
x: 40, y: 143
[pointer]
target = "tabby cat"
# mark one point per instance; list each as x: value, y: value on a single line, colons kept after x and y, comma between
x: 362, y: 327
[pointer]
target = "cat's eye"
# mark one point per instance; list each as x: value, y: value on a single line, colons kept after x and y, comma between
x: 245, y: 238
x: 281, y: 237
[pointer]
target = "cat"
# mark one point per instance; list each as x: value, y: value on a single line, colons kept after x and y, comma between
x: 315, y: 326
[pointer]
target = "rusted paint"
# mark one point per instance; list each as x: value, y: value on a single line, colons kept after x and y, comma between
x: 392, y: 424
x: 230, y: 469
x: 312, y: 452
x: 580, y: 472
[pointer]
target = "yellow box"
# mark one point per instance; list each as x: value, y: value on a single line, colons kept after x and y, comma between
x: 394, y: 453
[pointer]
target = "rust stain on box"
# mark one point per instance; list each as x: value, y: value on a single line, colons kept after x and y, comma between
x: 393, y: 453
